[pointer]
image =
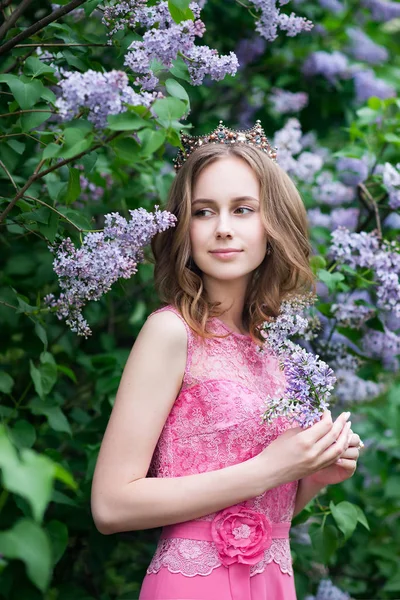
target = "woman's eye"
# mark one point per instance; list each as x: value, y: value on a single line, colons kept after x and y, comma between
x: 244, y: 208
x: 201, y: 212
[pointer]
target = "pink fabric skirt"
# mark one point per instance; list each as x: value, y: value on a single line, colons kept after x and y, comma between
x: 231, y: 582
x: 271, y: 584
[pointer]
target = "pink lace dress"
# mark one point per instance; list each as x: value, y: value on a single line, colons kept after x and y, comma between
x: 241, y: 552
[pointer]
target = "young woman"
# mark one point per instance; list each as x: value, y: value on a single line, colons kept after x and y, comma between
x: 185, y: 447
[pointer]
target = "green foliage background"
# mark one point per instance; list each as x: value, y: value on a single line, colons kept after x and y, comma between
x: 57, y: 389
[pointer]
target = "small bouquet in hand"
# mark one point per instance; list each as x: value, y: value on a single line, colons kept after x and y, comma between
x: 309, y: 381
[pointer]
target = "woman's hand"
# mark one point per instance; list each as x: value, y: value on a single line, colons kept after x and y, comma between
x: 343, y: 468
x: 298, y: 453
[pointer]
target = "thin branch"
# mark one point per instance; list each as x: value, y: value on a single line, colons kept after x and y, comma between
x: 9, y: 175
x: 374, y: 206
x: 55, y: 210
x: 19, y: 112
x: 8, y: 23
x: 6, y: 135
x: 55, y: 45
x: 35, y: 176
x: 54, y: 16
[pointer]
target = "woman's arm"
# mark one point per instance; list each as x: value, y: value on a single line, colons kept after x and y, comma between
x: 306, y: 491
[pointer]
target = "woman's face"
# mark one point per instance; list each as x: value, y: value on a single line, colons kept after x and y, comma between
x: 226, y: 215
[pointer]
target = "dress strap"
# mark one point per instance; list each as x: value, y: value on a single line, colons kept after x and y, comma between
x: 190, y: 340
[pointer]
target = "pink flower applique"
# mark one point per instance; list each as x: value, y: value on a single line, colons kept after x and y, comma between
x: 241, y: 535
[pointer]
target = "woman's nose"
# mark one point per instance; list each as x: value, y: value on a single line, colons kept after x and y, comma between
x: 224, y: 226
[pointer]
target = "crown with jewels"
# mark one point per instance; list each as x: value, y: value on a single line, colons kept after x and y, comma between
x: 255, y: 136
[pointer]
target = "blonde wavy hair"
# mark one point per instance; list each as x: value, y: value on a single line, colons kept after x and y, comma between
x: 284, y: 272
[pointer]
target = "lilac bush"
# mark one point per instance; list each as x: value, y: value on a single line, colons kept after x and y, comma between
x: 87, y: 273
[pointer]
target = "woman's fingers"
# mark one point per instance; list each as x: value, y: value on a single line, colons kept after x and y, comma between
x: 354, y: 439
x: 351, y: 452
x: 340, y: 427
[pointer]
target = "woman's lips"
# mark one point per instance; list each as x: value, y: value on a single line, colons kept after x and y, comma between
x: 225, y: 254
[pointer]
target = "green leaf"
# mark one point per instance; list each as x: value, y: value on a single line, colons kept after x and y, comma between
x: 33, y: 120
x: 73, y: 189
x: 23, y: 434
x: 51, y: 150
x: 346, y: 517
x: 77, y: 148
x: 28, y: 542
x: 361, y: 517
x: 90, y: 5
x: 6, y: 383
x: 180, y: 10
x: 376, y: 324
x: 177, y: 90
x: 126, y: 121
x: 317, y: 262
x: 26, y: 93
x: 324, y: 540
x: 392, y: 138
x: 331, y: 280
x: 126, y: 149
x: 56, y: 418
x: 79, y: 219
x: 58, y: 535
x: 41, y: 332
x: 168, y: 110
x: 151, y: 141
x: 35, y: 67
x: 16, y: 145
x: 30, y: 476
x: 44, y: 377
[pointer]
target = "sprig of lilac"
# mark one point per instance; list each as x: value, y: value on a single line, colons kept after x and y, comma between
x: 271, y: 19
x: 88, y: 272
x: 309, y: 380
x: 367, y: 251
x: 102, y: 93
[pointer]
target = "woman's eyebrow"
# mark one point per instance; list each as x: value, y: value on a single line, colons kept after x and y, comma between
x: 233, y: 200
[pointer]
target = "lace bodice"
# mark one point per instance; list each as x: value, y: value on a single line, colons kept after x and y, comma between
x: 216, y: 422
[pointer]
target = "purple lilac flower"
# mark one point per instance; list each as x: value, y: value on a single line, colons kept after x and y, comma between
x: 271, y: 19
x: 164, y: 44
x: 346, y: 217
x: 368, y: 85
x: 248, y: 50
x: 391, y: 181
x: 364, y: 49
x: 332, y: 66
x: 382, y: 345
x: 309, y: 381
x: 88, y: 272
x: 287, y: 102
x: 330, y: 192
x: 328, y: 591
x: 383, y: 259
x: 352, y: 311
x: 382, y: 10
x: 352, y: 171
x: 102, y: 93
x: 351, y: 389
x: 334, y: 6
x: 288, y: 142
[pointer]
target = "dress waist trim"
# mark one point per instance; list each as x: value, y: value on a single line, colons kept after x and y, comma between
x: 240, y: 535
x: 201, y: 530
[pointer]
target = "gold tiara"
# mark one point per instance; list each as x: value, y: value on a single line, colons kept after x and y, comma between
x: 255, y: 136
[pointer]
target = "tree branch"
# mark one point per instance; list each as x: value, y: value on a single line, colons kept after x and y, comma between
x: 36, y: 175
x: 54, y: 16
x: 8, y: 23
